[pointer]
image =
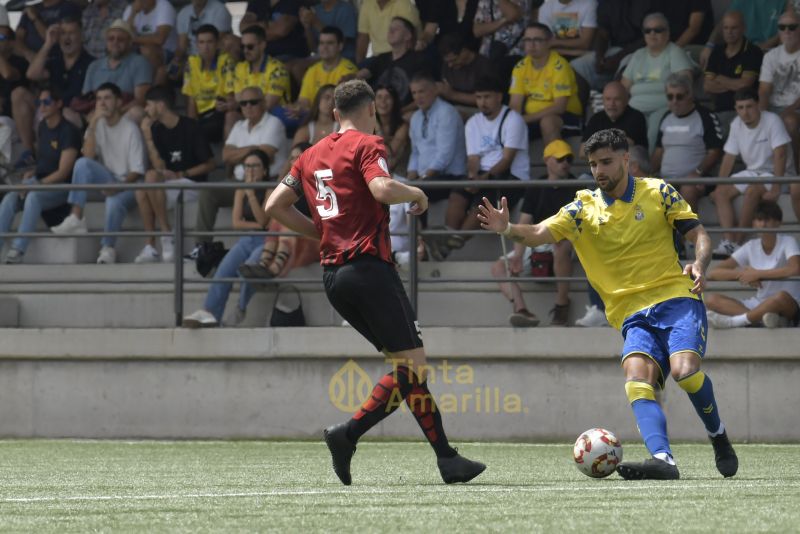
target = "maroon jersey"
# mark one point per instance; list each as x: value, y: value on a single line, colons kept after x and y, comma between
x: 334, y: 174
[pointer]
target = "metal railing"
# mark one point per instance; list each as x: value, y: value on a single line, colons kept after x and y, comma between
x: 179, y: 234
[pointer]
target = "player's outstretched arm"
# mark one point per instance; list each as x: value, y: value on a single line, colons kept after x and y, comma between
x: 388, y: 191
x: 280, y: 205
x: 497, y: 220
x: 702, y: 252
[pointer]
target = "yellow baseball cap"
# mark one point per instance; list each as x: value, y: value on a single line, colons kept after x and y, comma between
x: 558, y: 149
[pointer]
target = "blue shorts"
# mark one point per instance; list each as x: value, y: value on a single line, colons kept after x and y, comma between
x: 675, y: 325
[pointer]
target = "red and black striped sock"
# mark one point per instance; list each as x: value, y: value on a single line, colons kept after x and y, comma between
x: 424, y: 408
x: 386, y: 397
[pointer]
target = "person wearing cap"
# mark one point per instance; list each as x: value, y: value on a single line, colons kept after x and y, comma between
x: 537, y: 205
x: 123, y: 67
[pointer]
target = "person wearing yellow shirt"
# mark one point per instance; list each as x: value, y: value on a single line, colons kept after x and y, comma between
x: 331, y: 69
x: 208, y: 82
x: 623, y: 234
x: 374, y: 17
x: 543, y: 87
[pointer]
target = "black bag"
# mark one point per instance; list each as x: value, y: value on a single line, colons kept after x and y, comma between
x: 283, y: 316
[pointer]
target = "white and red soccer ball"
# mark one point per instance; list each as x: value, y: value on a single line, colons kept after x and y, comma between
x: 597, y: 453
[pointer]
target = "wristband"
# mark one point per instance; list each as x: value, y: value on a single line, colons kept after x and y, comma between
x: 507, y: 231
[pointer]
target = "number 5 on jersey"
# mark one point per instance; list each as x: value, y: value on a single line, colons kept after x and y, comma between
x: 326, y: 195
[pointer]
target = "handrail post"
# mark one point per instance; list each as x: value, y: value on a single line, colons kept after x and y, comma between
x: 178, y: 259
x: 413, y: 273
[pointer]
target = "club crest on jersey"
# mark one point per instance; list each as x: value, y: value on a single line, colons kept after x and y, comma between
x: 638, y: 214
x: 383, y: 165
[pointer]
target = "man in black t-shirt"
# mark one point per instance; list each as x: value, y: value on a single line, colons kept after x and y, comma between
x: 281, y: 21
x: 58, y: 145
x: 618, y: 114
x: 178, y: 152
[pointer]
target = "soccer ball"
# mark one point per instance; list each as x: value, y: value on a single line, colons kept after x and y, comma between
x: 597, y: 453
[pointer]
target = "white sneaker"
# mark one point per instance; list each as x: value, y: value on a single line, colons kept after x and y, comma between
x: 236, y: 318
x: 594, y: 317
x: 72, y: 224
x: 13, y: 256
x: 167, y: 249
x: 107, y: 255
x: 717, y: 320
x: 200, y: 319
x: 149, y: 254
x: 774, y: 320
x: 724, y: 250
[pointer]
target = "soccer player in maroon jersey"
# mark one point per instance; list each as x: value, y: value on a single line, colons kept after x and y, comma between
x: 347, y: 184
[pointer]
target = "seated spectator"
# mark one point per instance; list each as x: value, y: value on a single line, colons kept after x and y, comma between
x: 438, y: 150
x: 731, y: 67
x: 258, y: 69
x: 17, y: 99
x: 461, y: 67
x: 497, y: 149
x: 648, y: 70
x: 35, y: 20
x: 178, y: 153
x: 208, y: 82
x: 396, y: 67
x: 392, y: 128
x: 760, y: 263
x: 539, y: 204
x: 619, y: 34
x: 689, y: 143
x: 320, y: 121
x: 573, y: 23
x: 543, y: 88
x: 280, y: 20
x: 156, y: 38
x: 194, y: 16
x: 374, y: 18
x: 447, y: 17
x: 122, y: 67
x: 96, y: 18
x: 283, y: 253
x: 63, y: 66
x: 258, y: 130
x: 58, y: 144
x: 760, y: 139
x: 500, y: 24
x: 690, y: 23
x: 335, y: 13
x: 248, y: 214
x: 113, y: 152
x: 779, y: 83
x: 618, y: 114
x: 10, y: 146
x: 331, y: 68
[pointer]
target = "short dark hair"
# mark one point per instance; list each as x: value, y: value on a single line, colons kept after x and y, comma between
x: 612, y: 138
x: 450, y: 43
x: 55, y: 93
x: 160, y: 93
x: 543, y: 27
x: 208, y: 28
x: 71, y: 19
x: 258, y: 31
x: 352, y: 95
x: 768, y: 210
x: 333, y: 30
x: 409, y: 26
x: 109, y: 86
x: 423, y: 76
x: 745, y: 94
x: 489, y: 83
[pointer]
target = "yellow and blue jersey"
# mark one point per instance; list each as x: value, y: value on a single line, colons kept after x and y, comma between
x: 316, y: 76
x: 271, y: 76
x: 627, y: 245
x: 205, y: 86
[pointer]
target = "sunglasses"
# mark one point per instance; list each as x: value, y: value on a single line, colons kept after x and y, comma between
x: 568, y: 159
x: 653, y: 30
x: 787, y: 27
x: 676, y: 96
x: 44, y: 101
x: 253, y: 102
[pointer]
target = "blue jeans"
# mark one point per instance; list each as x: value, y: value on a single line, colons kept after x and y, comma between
x: 246, y: 250
x: 88, y: 171
x: 35, y: 203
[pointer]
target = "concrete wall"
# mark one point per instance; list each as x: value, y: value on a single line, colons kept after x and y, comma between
x: 541, y: 384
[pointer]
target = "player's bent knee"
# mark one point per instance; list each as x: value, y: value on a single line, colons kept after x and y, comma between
x: 691, y: 383
x: 639, y: 390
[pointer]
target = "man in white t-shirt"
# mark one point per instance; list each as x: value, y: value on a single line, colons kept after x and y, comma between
x: 573, y: 23
x: 760, y: 263
x: 497, y: 149
x: 760, y: 138
x: 154, y: 22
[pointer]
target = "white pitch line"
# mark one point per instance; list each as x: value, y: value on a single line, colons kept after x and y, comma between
x: 372, y: 491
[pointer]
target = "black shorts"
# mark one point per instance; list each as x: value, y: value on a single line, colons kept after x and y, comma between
x: 368, y: 293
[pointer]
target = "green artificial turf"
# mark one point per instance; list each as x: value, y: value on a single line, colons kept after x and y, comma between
x: 240, y: 486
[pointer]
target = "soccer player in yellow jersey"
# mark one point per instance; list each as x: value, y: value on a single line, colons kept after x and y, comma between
x: 208, y: 82
x: 331, y: 68
x: 261, y: 70
x: 623, y: 233
x: 543, y: 87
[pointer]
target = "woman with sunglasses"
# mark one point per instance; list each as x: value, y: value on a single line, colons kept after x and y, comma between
x: 649, y: 68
